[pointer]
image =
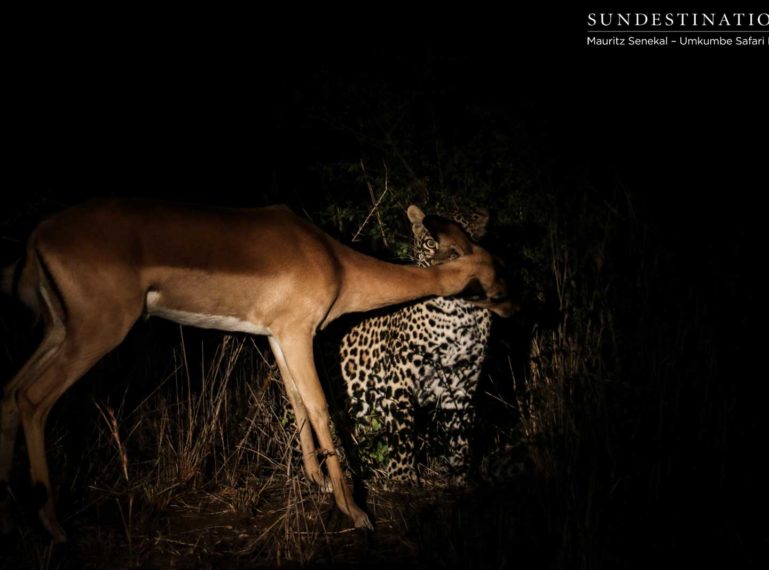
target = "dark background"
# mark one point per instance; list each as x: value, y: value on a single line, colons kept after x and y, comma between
x: 142, y: 106
x: 220, y: 109
x: 215, y: 110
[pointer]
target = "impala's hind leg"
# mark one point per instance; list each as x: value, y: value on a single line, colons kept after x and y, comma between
x: 9, y: 413
x: 35, y: 402
x: 53, y: 338
x: 84, y: 344
x: 70, y: 347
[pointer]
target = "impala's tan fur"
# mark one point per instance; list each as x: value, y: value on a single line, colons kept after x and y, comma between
x: 93, y: 270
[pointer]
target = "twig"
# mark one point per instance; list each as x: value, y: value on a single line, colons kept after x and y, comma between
x: 375, y: 209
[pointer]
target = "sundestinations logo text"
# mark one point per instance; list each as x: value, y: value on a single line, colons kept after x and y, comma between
x: 687, y: 20
x: 682, y: 29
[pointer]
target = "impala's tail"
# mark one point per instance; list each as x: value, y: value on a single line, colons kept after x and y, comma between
x: 22, y: 280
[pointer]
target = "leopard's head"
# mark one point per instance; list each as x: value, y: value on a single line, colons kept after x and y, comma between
x: 424, y: 247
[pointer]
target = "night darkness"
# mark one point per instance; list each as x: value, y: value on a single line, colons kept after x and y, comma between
x: 241, y: 112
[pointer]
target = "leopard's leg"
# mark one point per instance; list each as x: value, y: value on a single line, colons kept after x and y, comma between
x: 399, y: 426
x: 456, y: 419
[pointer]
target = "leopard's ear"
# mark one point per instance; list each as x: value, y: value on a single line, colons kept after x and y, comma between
x: 415, y: 214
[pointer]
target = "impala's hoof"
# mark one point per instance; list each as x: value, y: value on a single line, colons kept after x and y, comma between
x: 58, y: 536
x: 362, y: 521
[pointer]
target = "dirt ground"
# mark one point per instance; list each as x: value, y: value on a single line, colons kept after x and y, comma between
x: 280, y: 522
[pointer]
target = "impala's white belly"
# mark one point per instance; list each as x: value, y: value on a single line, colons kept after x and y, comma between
x: 155, y: 308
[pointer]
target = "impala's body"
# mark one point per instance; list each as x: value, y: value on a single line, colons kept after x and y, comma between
x: 93, y: 270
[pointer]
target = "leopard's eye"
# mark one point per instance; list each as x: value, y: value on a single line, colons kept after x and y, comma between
x: 453, y: 255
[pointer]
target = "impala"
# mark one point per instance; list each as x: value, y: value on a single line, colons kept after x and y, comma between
x: 92, y: 271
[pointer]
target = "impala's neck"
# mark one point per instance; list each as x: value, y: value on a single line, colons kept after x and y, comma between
x: 371, y: 284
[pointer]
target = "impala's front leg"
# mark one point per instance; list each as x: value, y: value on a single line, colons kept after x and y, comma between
x: 309, y: 456
x: 296, y: 348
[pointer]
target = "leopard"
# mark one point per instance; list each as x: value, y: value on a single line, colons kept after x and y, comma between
x: 424, y: 356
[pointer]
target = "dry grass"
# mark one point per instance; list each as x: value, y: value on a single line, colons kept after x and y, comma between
x: 201, y: 472
x: 209, y: 481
